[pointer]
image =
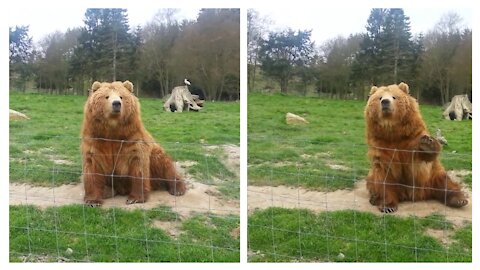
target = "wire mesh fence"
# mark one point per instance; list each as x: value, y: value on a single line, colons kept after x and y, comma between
x: 309, y: 206
x: 49, y: 220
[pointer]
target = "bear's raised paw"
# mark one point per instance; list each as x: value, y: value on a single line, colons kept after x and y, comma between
x: 428, y: 144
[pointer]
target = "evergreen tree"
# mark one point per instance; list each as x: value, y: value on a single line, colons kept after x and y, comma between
x: 285, y: 52
x: 106, y: 46
x: 386, y: 54
x: 20, y: 56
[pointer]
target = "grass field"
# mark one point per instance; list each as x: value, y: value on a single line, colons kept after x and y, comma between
x: 45, y: 151
x: 330, y: 154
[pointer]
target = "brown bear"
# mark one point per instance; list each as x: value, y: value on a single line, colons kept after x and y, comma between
x: 403, y: 156
x: 119, y: 155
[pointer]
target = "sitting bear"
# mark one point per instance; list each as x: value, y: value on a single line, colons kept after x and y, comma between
x: 119, y: 155
x: 404, y: 158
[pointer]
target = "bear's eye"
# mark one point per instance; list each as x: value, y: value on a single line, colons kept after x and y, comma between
x: 121, y: 97
x: 394, y: 98
x: 380, y: 98
x: 106, y: 97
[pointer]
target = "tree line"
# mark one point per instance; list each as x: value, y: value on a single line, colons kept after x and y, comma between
x: 155, y: 57
x: 437, y: 65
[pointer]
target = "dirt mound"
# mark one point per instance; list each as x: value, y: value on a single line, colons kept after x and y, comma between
x: 262, y: 197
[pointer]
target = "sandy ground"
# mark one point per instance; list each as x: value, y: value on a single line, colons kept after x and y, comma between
x: 262, y: 197
x: 199, y: 198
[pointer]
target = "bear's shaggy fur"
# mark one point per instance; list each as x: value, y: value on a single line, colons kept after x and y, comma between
x: 119, y: 155
x: 403, y: 156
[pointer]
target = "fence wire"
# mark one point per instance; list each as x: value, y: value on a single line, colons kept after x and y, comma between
x: 291, y: 219
x: 50, y: 222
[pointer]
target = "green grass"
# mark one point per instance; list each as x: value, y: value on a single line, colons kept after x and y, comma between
x: 283, y: 235
x: 45, y: 151
x: 278, y: 153
x: 109, y: 235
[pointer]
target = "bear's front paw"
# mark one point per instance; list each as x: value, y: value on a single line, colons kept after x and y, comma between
x: 429, y: 144
x: 135, y: 199
x: 178, y: 189
x: 388, y: 208
x: 94, y: 202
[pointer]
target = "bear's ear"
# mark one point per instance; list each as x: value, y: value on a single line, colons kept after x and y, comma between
x: 95, y: 86
x: 404, y: 87
x: 128, y: 85
x: 373, y: 90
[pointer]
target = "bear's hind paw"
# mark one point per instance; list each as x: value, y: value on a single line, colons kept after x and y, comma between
x: 457, y: 203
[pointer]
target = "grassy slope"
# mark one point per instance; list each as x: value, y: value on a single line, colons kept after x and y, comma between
x: 53, y: 134
x: 299, y: 156
x: 280, y: 154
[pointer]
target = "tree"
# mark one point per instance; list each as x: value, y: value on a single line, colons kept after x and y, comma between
x: 106, y: 46
x: 160, y: 37
x: 52, y: 66
x: 255, y: 33
x: 398, y: 45
x: 442, y: 51
x: 20, y: 56
x: 335, y: 74
x: 284, y: 52
x: 462, y: 65
x: 208, y: 52
x: 418, y: 56
x: 386, y: 53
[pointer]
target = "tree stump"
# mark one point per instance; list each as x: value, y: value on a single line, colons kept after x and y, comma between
x: 181, y: 99
x: 460, y: 108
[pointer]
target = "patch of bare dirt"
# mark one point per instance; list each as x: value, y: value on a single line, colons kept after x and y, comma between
x: 235, y: 233
x: 171, y: 227
x: 443, y: 236
x: 337, y: 166
x: 262, y: 197
x: 198, y: 198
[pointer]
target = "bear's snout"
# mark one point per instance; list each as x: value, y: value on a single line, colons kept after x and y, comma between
x: 385, y: 104
x: 116, y: 106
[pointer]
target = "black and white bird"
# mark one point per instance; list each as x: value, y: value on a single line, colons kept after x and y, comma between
x: 186, y: 82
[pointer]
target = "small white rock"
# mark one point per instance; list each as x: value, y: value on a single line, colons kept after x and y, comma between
x: 293, y: 119
x: 340, y: 256
x: 69, y: 251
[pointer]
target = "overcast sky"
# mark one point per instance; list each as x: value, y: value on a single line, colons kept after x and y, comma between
x: 326, y: 23
x: 42, y: 24
x: 330, y: 22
